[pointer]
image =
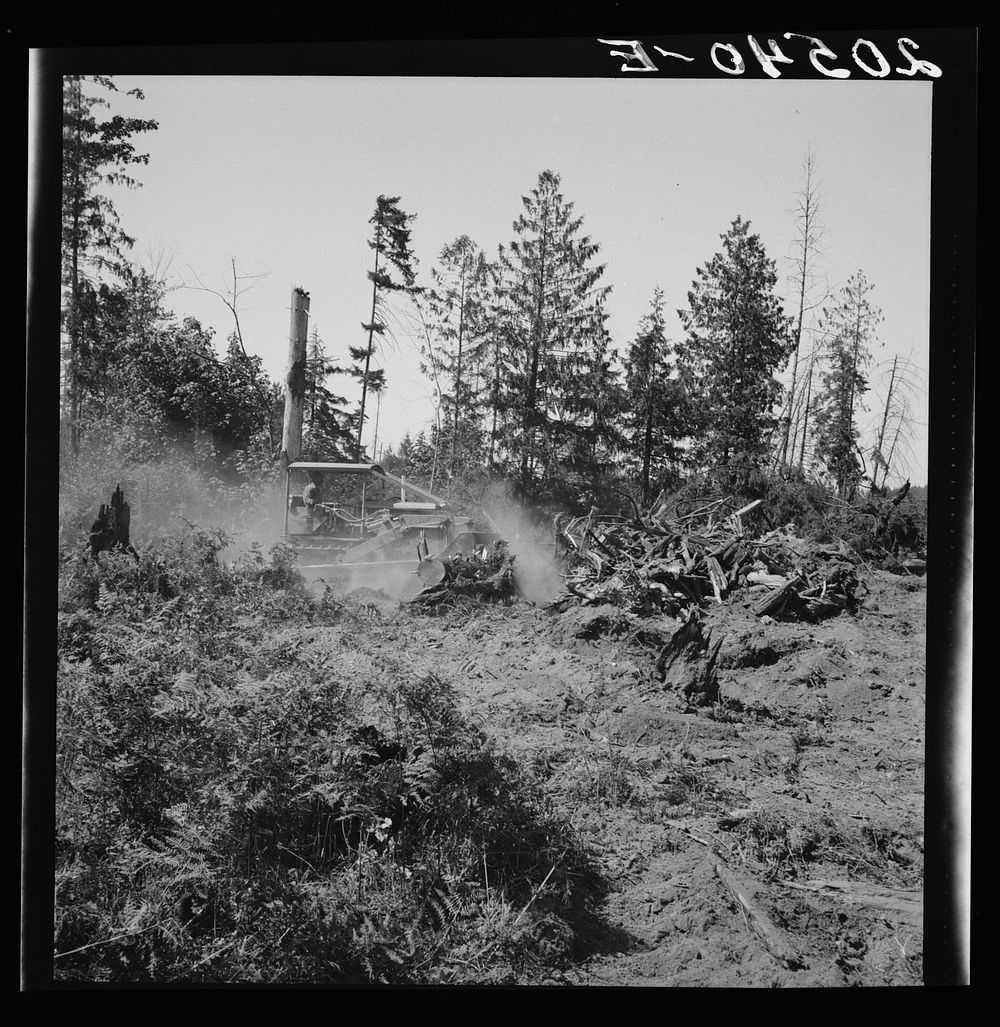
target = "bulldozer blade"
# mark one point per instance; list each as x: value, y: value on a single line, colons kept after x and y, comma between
x: 397, y: 578
x: 430, y: 572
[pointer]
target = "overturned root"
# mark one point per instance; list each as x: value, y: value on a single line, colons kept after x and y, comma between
x: 487, y: 577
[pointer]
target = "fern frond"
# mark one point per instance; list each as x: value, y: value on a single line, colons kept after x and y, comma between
x: 446, y: 908
x: 105, y: 600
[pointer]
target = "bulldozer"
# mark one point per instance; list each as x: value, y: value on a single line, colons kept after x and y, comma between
x: 355, y: 523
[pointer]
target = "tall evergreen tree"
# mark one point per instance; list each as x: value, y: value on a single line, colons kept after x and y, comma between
x: 737, y: 339
x: 399, y: 459
x: 414, y: 457
x: 556, y: 341
x: 328, y: 428
x: 114, y: 322
x: 391, y: 244
x: 848, y: 325
x: 653, y: 419
x: 596, y: 438
x: 494, y: 367
x: 95, y: 153
x: 101, y: 336
x: 454, y: 356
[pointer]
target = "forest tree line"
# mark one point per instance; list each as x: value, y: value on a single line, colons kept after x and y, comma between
x: 528, y: 382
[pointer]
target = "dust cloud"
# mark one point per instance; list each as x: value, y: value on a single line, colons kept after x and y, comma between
x: 535, y: 573
x: 167, y: 496
x: 182, y: 489
x: 397, y: 580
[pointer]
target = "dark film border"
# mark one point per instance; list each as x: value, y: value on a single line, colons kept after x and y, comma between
x: 954, y: 197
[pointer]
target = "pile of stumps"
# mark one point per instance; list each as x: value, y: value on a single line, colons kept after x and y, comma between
x: 665, y: 565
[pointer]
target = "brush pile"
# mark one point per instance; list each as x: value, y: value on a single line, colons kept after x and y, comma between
x: 486, y: 574
x: 661, y: 565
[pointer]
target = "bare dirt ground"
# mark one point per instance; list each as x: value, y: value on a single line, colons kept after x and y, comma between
x: 772, y: 837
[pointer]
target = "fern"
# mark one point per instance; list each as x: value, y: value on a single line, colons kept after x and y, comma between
x: 445, y: 907
x: 171, y: 608
x: 105, y: 600
x: 214, y: 763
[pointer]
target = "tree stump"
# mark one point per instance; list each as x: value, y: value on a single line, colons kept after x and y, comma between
x: 687, y: 663
x: 111, y: 529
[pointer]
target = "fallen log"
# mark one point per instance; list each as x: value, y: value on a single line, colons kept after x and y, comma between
x: 771, y: 580
x: 775, y: 601
x: 905, y: 904
x: 718, y: 578
x: 771, y: 936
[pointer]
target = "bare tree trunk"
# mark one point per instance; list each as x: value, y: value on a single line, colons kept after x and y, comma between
x: 807, y: 214
x: 892, y: 451
x: 885, y: 421
x: 805, y: 413
x: 531, y: 397
x: 378, y: 410
x: 74, y: 350
x: 368, y: 354
x: 73, y: 369
x: 496, y: 412
x: 295, y: 379
x: 458, y: 374
x: 647, y: 448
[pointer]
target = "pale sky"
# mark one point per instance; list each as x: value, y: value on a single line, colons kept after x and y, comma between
x: 282, y: 174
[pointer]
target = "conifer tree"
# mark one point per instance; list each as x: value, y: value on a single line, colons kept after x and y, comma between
x: 423, y: 455
x: 494, y: 367
x: 737, y: 339
x: 653, y: 420
x: 113, y: 324
x: 391, y: 244
x: 596, y: 438
x: 457, y: 303
x: 95, y: 153
x: 328, y: 429
x: 555, y: 335
x: 848, y: 328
